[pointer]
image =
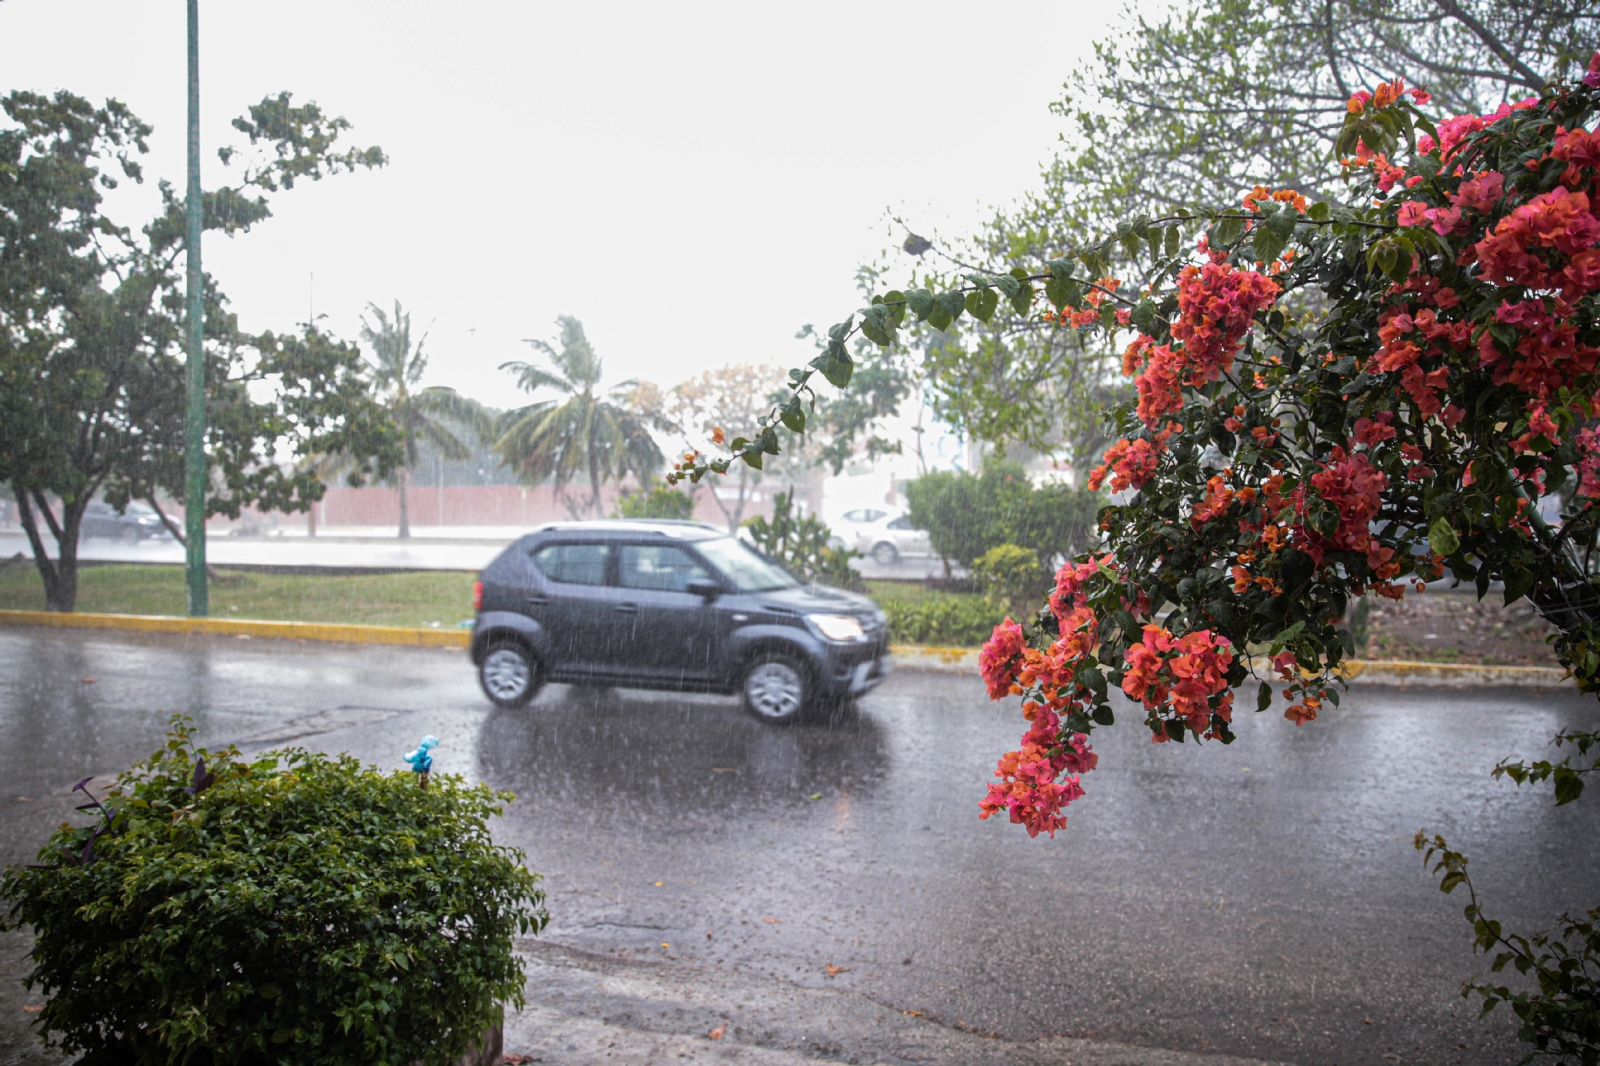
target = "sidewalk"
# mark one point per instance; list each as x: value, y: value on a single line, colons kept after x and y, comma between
x: 585, y: 1008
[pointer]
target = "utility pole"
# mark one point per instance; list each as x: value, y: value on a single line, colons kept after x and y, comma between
x: 194, y: 429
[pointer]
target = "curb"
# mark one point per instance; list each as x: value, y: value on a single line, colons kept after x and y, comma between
x: 329, y: 632
x: 906, y: 656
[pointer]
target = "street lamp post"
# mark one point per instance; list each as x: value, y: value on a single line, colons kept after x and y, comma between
x: 194, y: 430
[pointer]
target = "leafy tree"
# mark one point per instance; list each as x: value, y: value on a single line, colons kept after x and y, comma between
x: 695, y: 410
x: 91, y: 322
x: 1187, y: 108
x: 432, y: 414
x: 603, y: 437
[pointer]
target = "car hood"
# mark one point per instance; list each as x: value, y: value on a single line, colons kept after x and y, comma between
x: 819, y: 599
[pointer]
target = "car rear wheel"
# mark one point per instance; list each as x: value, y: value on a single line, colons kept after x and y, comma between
x: 130, y: 535
x: 776, y: 689
x: 884, y: 554
x: 509, y: 674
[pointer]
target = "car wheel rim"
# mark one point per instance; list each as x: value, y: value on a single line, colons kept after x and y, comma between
x: 774, y: 690
x: 884, y: 554
x: 505, y: 674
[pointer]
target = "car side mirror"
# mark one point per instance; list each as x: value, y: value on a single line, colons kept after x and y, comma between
x: 704, y: 587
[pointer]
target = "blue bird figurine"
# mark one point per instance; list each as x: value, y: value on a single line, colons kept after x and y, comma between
x: 422, y: 762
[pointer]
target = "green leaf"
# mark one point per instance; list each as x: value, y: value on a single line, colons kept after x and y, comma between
x: 877, y: 324
x: 751, y: 457
x: 1518, y: 582
x: 896, y: 301
x: 1264, y: 697
x: 1022, y: 302
x: 1442, y: 537
x: 1103, y: 716
x: 982, y: 304
x: 1063, y: 292
x: 938, y: 319
x: 769, y: 441
x: 920, y: 301
x: 952, y: 303
x: 794, y: 415
x: 1060, y: 269
x: 1225, y: 231
x: 1008, y: 285
x: 1268, y: 242
x: 1144, y: 316
x: 1318, y: 212
x: 1569, y: 786
x: 1173, y: 240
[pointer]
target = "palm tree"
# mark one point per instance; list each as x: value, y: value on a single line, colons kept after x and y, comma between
x: 433, y: 414
x: 602, y: 436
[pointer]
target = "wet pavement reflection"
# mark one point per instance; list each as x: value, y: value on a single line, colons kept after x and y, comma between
x: 1261, y: 899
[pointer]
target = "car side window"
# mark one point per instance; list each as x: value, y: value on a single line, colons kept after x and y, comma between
x: 660, y: 567
x: 856, y: 516
x: 873, y: 516
x: 901, y: 523
x: 573, y: 564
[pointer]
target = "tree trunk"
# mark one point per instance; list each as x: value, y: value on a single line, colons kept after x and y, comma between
x: 401, y: 477
x: 311, y: 518
x: 60, y: 576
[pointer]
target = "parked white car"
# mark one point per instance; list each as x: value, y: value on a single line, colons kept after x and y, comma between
x: 882, y: 534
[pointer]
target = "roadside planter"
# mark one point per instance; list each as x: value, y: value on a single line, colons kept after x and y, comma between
x: 296, y: 908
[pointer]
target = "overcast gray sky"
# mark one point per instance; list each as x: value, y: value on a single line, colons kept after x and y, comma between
x: 694, y: 181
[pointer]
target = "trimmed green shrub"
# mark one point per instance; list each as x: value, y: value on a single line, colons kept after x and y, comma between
x: 1011, y: 578
x: 954, y: 622
x: 966, y: 515
x: 658, y: 500
x: 298, y: 908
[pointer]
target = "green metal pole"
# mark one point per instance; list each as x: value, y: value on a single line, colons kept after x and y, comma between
x: 194, y: 429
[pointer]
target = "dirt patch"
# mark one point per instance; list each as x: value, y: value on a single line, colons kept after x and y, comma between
x: 1456, y: 627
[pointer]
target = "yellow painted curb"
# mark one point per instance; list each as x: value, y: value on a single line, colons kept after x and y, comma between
x: 1454, y: 675
x: 330, y: 632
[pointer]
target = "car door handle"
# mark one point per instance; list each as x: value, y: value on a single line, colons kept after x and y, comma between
x: 537, y: 599
x: 627, y: 608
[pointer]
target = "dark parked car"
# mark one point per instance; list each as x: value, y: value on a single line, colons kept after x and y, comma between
x: 669, y: 605
x: 100, y: 519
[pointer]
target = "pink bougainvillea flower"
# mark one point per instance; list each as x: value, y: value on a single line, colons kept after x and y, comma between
x: 998, y: 659
x: 1412, y: 213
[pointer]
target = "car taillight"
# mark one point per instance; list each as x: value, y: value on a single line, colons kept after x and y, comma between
x: 477, y: 595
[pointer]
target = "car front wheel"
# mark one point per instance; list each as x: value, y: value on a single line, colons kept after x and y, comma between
x: 509, y: 674
x: 884, y: 554
x: 776, y: 689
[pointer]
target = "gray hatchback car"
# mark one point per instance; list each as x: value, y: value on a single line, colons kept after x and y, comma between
x: 669, y: 605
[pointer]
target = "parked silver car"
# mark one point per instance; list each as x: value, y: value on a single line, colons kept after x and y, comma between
x: 883, y: 534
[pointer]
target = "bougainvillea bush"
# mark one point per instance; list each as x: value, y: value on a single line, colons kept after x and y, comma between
x: 1332, y: 401
x: 291, y: 909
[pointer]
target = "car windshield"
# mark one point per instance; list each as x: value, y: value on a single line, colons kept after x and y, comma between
x: 744, y: 566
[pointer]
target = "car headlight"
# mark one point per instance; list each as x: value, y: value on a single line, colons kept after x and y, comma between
x: 837, y: 626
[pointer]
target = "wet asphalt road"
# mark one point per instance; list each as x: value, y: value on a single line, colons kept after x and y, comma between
x: 1261, y: 900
